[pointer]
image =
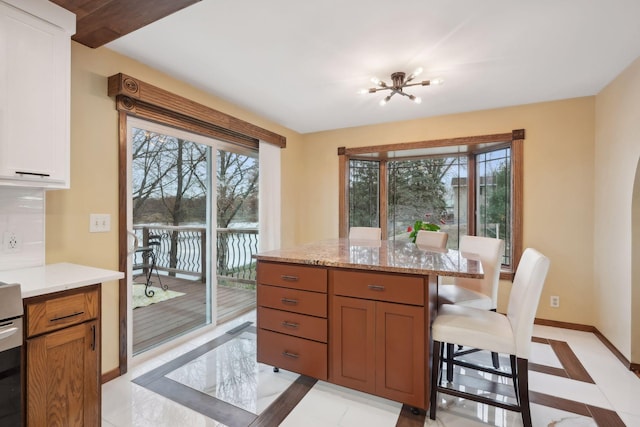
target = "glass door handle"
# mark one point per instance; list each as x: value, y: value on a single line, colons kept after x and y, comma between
x: 135, y: 242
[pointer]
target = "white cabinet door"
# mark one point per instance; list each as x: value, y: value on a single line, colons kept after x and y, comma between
x: 34, y: 101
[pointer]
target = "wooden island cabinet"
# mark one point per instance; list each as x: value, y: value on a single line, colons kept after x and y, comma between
x: 354, y: 314
x: 292, y: 308
x: 378, y: 334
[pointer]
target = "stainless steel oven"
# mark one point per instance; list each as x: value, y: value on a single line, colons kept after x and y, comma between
x: 11, y: 343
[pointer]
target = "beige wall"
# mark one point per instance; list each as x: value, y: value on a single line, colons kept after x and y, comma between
x: 558, y: 186
x: 617, y: 149
x: 635, y: 270
x: 94, y: 172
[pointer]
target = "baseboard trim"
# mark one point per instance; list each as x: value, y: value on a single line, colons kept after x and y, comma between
x: 597, y: 333
x: 565, y: 325
x: 110, y: 375
x: 614, y: 350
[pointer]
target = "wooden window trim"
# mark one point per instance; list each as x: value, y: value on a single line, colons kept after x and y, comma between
x: 449, y: 142
x: 516, y: 140
x: 343, y: 193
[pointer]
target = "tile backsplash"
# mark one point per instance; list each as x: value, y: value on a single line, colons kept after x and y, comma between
x: 22, y: 212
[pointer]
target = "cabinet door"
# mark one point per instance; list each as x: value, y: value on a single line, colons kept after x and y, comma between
x: 62, y: 383
x: 352, y: 340
x: 34, y: 100
x: 400, y: 353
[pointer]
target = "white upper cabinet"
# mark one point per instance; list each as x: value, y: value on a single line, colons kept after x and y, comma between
x: 35, y: 62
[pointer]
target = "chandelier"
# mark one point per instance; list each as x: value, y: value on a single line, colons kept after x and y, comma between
x: 399, y: 82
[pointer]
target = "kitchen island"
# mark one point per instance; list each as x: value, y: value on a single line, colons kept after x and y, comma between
x: 355, y: 313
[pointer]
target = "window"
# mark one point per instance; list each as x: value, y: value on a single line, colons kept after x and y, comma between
x: 428, y: 189
x: 493, y: 199
x: 469, y: 185
x: 364, y: 193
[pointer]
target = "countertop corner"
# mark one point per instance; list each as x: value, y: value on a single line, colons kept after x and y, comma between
x: 51, y: 278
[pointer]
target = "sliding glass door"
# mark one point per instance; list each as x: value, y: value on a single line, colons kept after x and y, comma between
x: 194, y: 217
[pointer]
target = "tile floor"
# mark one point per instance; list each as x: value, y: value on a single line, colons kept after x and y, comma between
x: 614, y: 389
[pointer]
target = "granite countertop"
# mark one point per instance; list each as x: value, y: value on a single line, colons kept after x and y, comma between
x: 51, y: 278
x: 385, y: 255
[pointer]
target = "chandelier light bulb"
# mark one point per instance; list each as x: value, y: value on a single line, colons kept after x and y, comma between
x: 435, y: 82
x: 417, y: 72
x: 417, y: 100
x: 363, y: 91
x: 385, y: 100
x: 375, y: 80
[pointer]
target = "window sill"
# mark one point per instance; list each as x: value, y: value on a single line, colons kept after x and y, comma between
x: 506, y: 275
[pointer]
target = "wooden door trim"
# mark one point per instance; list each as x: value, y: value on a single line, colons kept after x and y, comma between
x: 134, y: 95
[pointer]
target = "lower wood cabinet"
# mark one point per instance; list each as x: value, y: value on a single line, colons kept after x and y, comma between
x: 63, y: 359
x: 378, y: 347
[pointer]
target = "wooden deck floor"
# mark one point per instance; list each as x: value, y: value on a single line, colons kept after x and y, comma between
x: 157, y: 323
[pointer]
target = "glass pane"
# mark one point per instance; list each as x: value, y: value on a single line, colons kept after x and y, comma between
x: 431, y: 190
x: 170, y: 199
x: 364, y: 193
x: 493, y: 193
x: 237, y: 233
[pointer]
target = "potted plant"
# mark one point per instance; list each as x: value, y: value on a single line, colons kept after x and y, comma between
x: 421, y: 225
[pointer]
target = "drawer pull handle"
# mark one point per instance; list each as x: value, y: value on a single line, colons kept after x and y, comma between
x: 56, y: 319
x: 289, y: 278
x: 290, y: 324
x: 289, y: 301
x: 6, y: 333
x: 376, y: 287
x: 93, y: 338
x: 291, y: 355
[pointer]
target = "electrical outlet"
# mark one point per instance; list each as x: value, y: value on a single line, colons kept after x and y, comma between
x: 11, y: 242
x: 555, y: 301
x: 99, y: 223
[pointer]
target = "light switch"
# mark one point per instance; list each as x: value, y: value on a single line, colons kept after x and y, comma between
x: 99, y: 223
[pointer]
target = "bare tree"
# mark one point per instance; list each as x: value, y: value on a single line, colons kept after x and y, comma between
x: 237, y: 181
x: 237, y: 184
x: 170, y: 181
x: 182, y: 180
x: 148, y: 150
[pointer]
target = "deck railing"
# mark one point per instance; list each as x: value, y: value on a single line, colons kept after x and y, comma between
x: 183, y: 250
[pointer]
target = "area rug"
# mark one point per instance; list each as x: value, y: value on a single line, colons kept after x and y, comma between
x: 159, y: 295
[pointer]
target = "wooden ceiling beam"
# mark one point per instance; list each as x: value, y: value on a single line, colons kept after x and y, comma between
x: 99, y: 22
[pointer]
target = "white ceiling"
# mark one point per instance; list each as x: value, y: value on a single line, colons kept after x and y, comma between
x: 300, y: 63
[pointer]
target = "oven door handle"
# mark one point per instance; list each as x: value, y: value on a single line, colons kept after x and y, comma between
x: 6, y: 333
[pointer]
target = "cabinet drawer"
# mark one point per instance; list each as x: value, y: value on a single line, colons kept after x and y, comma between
x: 292, y: 276
x: 379, y: 286
x: 46, y: 315
x: 293, y: 354
x: 311, y: 303
x: 299, y: 325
